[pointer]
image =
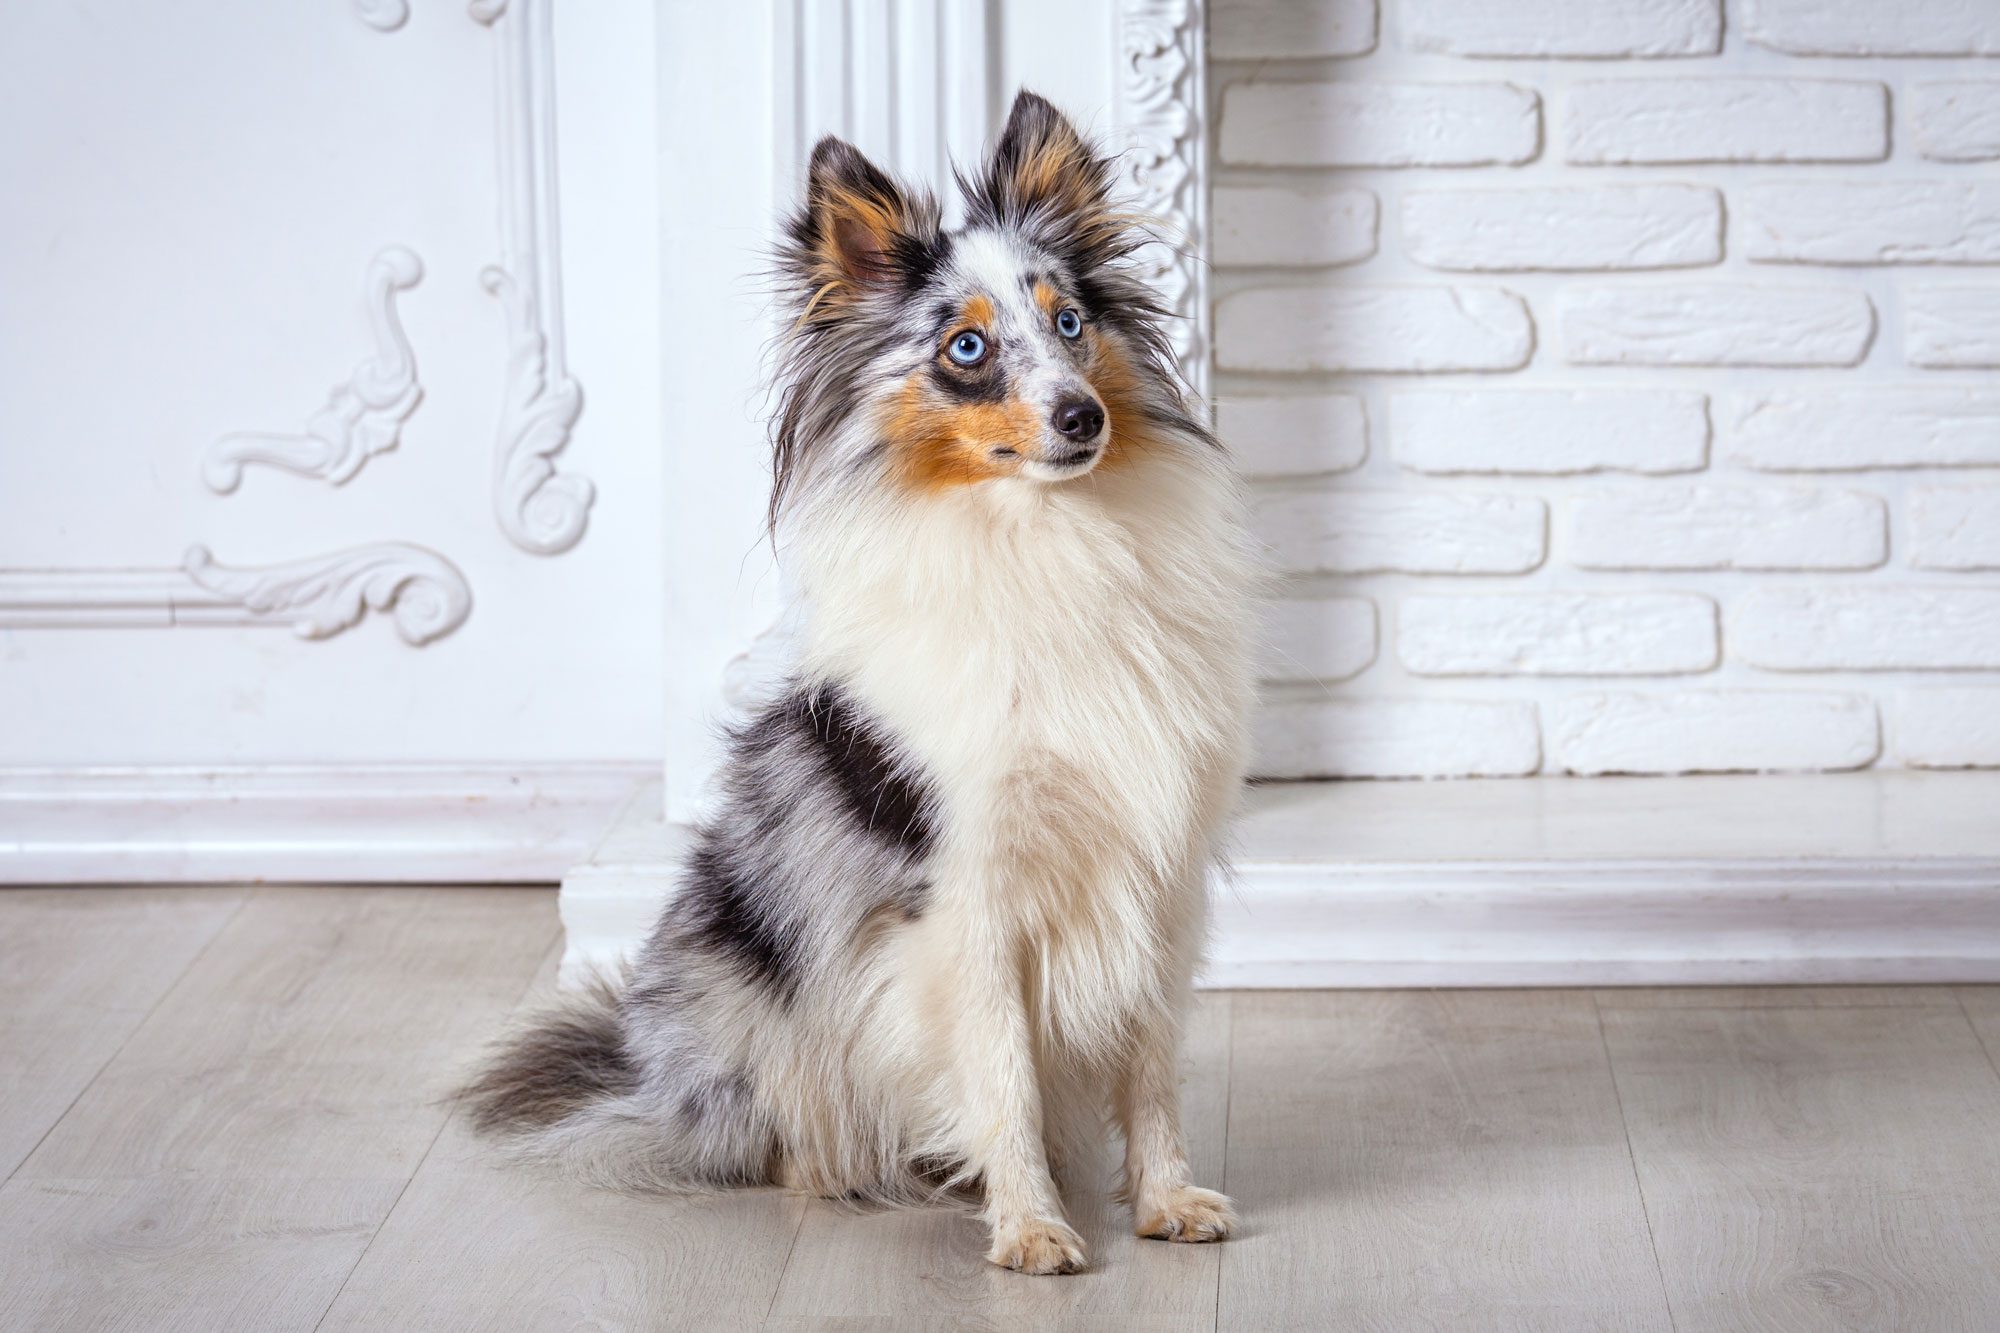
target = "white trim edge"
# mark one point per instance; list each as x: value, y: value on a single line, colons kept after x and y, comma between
x: 1694, y: 921
x: 414, y: 823
x: 1319, y: 923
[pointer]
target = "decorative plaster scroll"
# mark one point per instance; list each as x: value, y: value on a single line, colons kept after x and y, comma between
x: 321, y: 596
x: 539, y: 509
x: 1160, y: 119
x: 318, y: 597
x: 362, y: 418
x: 383, y: 15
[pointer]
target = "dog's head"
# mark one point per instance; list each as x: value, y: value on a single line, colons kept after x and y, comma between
x: 1018, y: 349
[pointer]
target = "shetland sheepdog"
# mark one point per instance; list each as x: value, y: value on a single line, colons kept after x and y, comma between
x: 941, y: 931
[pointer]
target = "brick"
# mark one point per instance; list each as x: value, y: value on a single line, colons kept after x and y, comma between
x: 1948, y: 728
x: 1276, y: 224
x: 1394, y: 329
x: 1867, y: 629
x: 1708, y: 527
x: 1712, y: 731
x: 1955, y: 528
x: 1281, y: 29
x: 1951, y: 327
x: 1396, y: 738
x: 1556, y: 634
x: 1871, y: 222
x: 1379, y: 124
x: 1370, y: 532
x: 1956, y: 121
x: 1716, y: 325
x: 1550, y: 432
x: 1849, y: 430
x: 1530, y: 28
x: 1564, y: 227
x: 1874, y: 27
x: 1294, y: 434
x: 1726, y: 120
x: 1317, y: 638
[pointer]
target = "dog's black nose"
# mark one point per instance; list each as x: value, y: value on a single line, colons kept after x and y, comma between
x: 1078, y: 419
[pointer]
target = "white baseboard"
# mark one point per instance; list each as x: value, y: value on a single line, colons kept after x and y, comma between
x: 338, y: 824
x: 1890, y: 877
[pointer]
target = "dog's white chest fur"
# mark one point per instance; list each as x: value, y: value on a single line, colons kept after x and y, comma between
x: 1068, y: 667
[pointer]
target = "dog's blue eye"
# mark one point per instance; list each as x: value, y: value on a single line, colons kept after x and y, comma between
x: 1068, y: 323
x: 968, y: 348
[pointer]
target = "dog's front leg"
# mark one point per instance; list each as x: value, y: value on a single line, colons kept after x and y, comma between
x: 1002, y: 1117
x: 1166, y: 1204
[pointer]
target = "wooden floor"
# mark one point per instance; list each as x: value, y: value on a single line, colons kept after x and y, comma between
x: 220, y: 1110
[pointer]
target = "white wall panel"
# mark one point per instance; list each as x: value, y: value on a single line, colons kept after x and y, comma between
x: 249, y: 231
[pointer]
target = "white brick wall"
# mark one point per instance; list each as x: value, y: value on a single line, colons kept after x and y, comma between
x: 1948, y: 327
x: 1616, y: 379
x: 1726, y: 120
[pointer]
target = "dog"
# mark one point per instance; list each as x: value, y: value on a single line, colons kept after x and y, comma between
x: 943, y: 926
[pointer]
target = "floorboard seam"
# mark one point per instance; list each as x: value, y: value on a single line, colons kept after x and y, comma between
x: 778, y: 1287
x: 145, y: 1018
x: 410, y: 1179
x: 1228, y: 1102
x: 1977, y: 1035
x: 1632, y: 1160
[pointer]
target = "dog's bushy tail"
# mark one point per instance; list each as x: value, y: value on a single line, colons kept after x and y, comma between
x: 559, y: 1064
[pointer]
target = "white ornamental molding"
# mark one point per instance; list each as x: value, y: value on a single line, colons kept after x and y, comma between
x: 424, y: 592
x: 1161, y: 77
x: 362, y: 417
x: 540, y: 509
x: 383, y: 15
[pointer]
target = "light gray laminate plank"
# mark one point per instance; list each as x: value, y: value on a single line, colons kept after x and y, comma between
x: 228, y: 1167
x: 1431, y: 1160
x: 927, y: 1269
x: 312, y: 1041
x: 1816, y: 1168
x: 80, y: 968
x: 479, y: 1241
x: 180, y: 1253
x: 1774, y: 997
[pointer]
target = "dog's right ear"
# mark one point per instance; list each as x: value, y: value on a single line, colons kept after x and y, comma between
x: 859, y: 229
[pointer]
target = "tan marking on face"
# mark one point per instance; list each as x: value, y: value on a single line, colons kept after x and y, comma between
x: 976, y: 313
x: 936, y: 443
x: 1116, y: 382
x: 1048, y: 298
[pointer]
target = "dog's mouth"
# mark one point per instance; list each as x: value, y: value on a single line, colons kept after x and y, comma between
x: 1064, y: 466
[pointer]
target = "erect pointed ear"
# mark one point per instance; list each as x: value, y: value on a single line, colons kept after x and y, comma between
x: 859, y: 228
x: 1041, y: 169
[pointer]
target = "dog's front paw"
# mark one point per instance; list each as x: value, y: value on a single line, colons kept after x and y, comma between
x: 1188, y: 1214
x: 1039, y: 1245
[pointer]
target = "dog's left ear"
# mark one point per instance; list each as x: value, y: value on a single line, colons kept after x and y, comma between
x: 1045, y: 176
x: 858, y: 231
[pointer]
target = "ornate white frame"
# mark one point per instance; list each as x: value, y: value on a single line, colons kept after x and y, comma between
x: 1162, y: 118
